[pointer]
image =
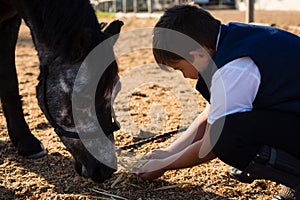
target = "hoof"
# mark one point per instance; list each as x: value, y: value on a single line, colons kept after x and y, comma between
x: 31, y: 148
x: 38, y: 155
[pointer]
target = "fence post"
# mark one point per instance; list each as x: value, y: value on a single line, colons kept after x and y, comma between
x: 124, y: 4
x: 250, y: 11
x: 149, y: 5
x: 115, y: 6
x: 135, y: 6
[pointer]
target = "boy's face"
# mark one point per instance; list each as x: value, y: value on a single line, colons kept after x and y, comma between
x: 200, y: 62
x: 187, y: 69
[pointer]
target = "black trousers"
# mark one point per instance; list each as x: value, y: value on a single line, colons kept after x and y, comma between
x: 242, y: 134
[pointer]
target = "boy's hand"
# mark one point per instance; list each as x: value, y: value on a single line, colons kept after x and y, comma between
x: 157, y: 154
x: 151, y: 175
x: 151, y: 170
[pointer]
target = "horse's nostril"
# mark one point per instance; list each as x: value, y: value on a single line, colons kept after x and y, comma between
x: 80, y: 169
x: 98, y: 174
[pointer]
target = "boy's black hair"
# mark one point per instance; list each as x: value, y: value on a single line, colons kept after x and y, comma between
x: 190, y: 20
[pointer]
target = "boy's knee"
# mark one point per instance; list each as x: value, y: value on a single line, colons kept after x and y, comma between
x: 231, y: 146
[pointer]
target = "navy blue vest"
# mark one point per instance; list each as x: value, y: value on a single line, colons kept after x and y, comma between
x: 277, y: 55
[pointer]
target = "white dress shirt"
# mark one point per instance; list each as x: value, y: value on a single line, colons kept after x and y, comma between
x: 234, y: 88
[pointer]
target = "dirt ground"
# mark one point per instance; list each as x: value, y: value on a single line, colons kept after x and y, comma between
x: 54, y: 177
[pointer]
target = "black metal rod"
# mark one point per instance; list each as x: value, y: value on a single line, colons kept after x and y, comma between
x: 150, y: 139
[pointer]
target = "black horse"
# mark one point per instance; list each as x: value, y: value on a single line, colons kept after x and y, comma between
x: 64, y: 32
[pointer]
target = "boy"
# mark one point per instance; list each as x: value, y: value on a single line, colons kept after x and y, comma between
x: 254, y: 125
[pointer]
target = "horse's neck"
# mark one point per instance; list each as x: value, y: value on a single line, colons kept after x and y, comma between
x: 54, y: 34
x: 46, y: 55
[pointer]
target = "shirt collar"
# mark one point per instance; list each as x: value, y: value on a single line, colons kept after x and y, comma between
x: 218, y: 38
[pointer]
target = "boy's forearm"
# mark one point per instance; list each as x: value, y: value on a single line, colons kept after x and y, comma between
x: 192, y: 134
x: 195, y: 154
x: 188, y: 157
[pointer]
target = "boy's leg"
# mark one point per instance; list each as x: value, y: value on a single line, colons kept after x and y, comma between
x: 244, y: 133
x: 263, y: 143
x: 276, y: 165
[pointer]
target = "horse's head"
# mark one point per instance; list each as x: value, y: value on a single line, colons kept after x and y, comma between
x: 56, y: 91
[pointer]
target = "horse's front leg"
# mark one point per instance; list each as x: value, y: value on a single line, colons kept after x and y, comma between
x: 18, y: 129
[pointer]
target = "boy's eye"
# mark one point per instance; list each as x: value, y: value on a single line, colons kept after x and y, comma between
x: 176, y: 67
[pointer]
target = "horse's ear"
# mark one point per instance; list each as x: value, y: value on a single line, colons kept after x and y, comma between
x: 114, y: 28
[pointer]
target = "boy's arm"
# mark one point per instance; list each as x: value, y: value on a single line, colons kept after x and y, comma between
x: 194, y: 133
x: 188, y: 157
x: 195, y: 154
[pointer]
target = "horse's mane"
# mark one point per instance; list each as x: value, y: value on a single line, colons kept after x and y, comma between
x: 70, y: 29
x: 62, y: 22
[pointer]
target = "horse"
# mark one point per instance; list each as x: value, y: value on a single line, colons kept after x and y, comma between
x: 64, y: 32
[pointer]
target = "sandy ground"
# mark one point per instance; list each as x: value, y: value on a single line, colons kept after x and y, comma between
x: 53, y: 177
